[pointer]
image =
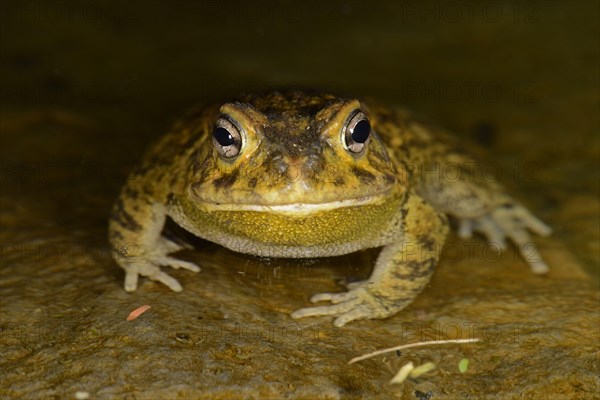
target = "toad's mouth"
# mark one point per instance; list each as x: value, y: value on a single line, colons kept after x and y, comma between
x: 298, y: 208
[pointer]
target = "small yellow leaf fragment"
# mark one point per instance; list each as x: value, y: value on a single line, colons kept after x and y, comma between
x: 403, y: 373
x: 422, y: 369
x: 138, y: 311
x: 463, y: 365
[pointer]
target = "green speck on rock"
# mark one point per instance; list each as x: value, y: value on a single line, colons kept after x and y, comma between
x: 463, y: 365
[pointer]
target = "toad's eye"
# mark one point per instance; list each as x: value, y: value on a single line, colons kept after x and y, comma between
x: 356, y: 133
x: 227, y: 138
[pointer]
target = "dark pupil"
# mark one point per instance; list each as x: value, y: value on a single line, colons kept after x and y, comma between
x: 223, y: 136
x: 361, y: 131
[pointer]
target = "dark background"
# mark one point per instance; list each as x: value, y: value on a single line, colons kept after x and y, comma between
x: 435, y: 56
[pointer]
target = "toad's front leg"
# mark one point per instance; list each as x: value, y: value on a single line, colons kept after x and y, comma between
x: 401, y: 272
x: 138, y: 246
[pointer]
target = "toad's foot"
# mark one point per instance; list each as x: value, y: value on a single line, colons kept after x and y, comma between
x: 510, y: 221
x: 148, y: 265
x: 358, y: 303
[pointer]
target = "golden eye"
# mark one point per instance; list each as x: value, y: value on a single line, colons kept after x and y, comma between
x: 227, y: 138
x: 356, y: 133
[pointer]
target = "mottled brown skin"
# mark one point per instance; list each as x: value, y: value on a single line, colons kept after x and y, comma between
x: 297, y: 189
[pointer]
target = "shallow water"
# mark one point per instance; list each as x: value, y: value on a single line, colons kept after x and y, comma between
x: 86, y: 88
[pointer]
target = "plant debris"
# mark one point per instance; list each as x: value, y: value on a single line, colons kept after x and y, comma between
x: 410, y: 345
x: 463, y: 365
x: 409, y: 369
x: 137, y: 312
x: 403, y: 373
